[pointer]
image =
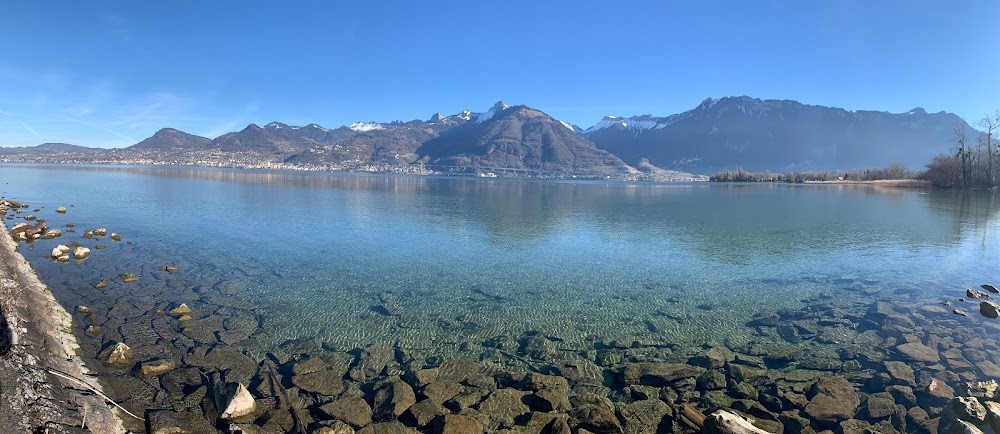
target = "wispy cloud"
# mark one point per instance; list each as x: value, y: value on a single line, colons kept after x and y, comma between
x: 4, y: 113
x: 29, y: 128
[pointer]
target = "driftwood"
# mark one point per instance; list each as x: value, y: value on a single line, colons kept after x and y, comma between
x: 692, y: 417
x: 66, y: 376
x: 284, y: 396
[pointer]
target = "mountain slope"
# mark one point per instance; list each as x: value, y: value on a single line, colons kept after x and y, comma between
x: 518, y: 138
x: 171, y: 139
x: 778, y: 135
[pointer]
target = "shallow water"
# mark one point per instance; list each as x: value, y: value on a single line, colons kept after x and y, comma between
x: 434, y: 262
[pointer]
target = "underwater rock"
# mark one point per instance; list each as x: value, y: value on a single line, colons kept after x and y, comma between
x: 959, y: 426
x: 29, y: 217
x: 129, y: 278
x: 918, y: 352
x: 168, y: 268
x: 81, y: 253
x: 156, y: 367
x: 101, y: 246
x: 643, y: 416
x: 969, y: 409
x: 989, y: 309
x: 834, y: 400
x: 901, y: 373
x: 170, y: 422
x: 724, y: 422
x: 88, y: 234
x: 597, y: 418
x: 51, y: 233
x: 982, y: 389
x: 101, y: 284
x: 424, y: 411
x: 977, y: 294
x: 337, y: 427
x: 352, y: 410
x: 937, y: 393
x: 61, y: 210
x: 84, y: 310
x: 394, y: 398
x: 713, y: 358
x: 959, y: 312
x: 441, y: 391
x: 659, y: 374
x: 118, y: 354
x: 181, y: 310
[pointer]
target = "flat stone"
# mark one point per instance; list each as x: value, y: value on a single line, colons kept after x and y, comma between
x: 337, y: 427
x: 425, y: 411
x: 156, y: 367
x: 919, y: 352
x: 391, y: 427
x: 169, y: 422
x: 901, y: 373
x: 713, y: 358
x: 503, y: 406
x: 834, y: 400
x: 659, y: 374
x: 643, y: 416
x: 324, y: 382
x: 938, y: 392
x: 441, y: 391
x: 352, y: 410
x: 180, y: 310
x: 881, y: 405
x: 394, y: 398
x: 597, y: 418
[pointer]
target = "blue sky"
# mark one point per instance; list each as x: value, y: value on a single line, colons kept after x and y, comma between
x: 110, y: 74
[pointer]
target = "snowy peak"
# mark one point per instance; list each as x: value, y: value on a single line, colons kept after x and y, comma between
x: 275, y: 125
x: 366, y: 126
x: 636, y: 124
x: 497, y: 108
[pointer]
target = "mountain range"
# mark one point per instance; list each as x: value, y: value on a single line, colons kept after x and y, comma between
x: 726, y: 133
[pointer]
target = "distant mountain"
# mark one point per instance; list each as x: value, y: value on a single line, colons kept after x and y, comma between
x: 518, y: 138
x: 779, y: 135
x: 50, y: 148
x: 171, y: 139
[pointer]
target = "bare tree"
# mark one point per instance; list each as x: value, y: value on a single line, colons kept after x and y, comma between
x: 990, y: 124
x: 963, y: 152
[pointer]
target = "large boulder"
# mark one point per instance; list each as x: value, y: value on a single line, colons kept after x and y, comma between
x: 353, y: 410
x: 393, y: 399
x: 234, y: 401
x: 503, y: 406
x: 457, y: 424
x: 833, y: 400
x: 918, y: 352
x: 989, y: 309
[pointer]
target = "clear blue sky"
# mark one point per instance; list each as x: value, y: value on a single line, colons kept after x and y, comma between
x: 109, y: 74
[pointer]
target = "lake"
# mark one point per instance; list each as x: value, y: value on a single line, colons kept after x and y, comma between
x: 445, y: 268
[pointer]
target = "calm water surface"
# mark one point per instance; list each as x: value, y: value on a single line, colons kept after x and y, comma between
x: 438, y: 263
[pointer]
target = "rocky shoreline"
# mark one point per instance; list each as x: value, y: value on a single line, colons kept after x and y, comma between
x: 35, y: 340
x: 884, y: 366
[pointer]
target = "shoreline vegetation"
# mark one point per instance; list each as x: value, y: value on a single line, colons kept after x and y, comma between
x: 38, y: 353
x: 897, y: 365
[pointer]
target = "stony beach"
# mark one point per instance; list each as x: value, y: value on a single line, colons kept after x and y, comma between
x: 187, y: 363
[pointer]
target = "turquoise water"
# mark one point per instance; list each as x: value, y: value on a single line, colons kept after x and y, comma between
x: 435, y: 264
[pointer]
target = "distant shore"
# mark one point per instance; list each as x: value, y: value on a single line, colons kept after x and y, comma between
x: 38, y: 338
x: 908, y: 183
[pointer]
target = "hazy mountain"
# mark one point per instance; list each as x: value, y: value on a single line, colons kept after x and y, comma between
x: 50, y: 148
x: 521, y: 138
x: 171, y: 139
x: 779, y: 135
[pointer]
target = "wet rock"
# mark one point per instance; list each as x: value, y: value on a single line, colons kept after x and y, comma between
x: 820, y: 363
x: 61, y: 210
x: 394, y: 398
x: 101, y: 246
x: 990, y: 288
x: 115, y: 237
x: 85, y: 310
x: 129, y: 278
x: 100, y: 232
x: 959, y: 312
x: 646, y: 416
x: 441, y: 391
x: 425, y: 411
x: 353, y: 410
x: 101, y: 284
x: 169, y: 422
x: 969, y: 409
x: 467, y: 398
x: 901, y: 373
x: 27, y: 233
x: 156, y: 367
x: 551, y: 392
x: 118, y: 354
x: 234, y: 401
x: 88, y: 234
x: 503, y: 406
x: 457, y: 424
x: 776, y: 353
x: 918, y: 352
x: 180, y: 310
x: 993, y: 414
x: 988, y: 369
x: 989, y: 309
x: 59, y: 250
x: 977, y: 294
x: 539, y: 348
x: 323, y: 381
x: 713, y: 358
x: 51, y: 233
x: 962, y: 427
x: 918, y: 417
x: 982, y: 389
x: 29, y: 217
x: 81, y: 253
x: 937, y: 393
x: 724, y: 422
x: 391, y: 427
x: 337, y: 427
x: 880, y: 405
x: 373, y: 362
x: 598, y: 419
x: 710, y: 380
x: 834, y: 400
x: 659, y: 374
x: 92, y: 330
x: 168, y: 268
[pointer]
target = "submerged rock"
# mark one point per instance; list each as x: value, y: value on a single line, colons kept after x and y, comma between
x: 170, y: 422
x: 156, y: 367
x: 989, y: 309
x: 990, y: 288
x: 84, y: 310
x: 118, y: 354
x: 969, y: 409
x: 834, y: 400
x: 168, y: 268
x: 977, y: 294
x: 129, y: 278
x: 919, y: 352
x: 394, y: 398
x: 100, y: 232
x: 458, y: 424
x: 101, y: 284
x: 659, y: 374
x: 180, y: 310
x: 353, y: 410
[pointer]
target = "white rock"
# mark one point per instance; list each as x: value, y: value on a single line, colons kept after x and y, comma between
x: 81, y: 253
x: 724, y: 422
x: 241, y: 403
x: 59, y: 250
